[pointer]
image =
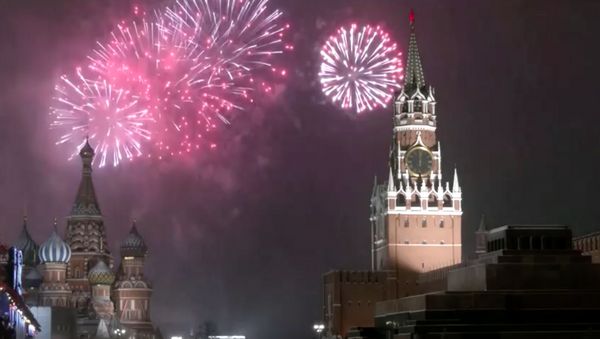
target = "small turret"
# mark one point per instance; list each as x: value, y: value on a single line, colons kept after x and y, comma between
x: 481, y: 237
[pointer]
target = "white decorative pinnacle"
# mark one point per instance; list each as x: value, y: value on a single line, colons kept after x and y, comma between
x: 374, y: 192
x: 391, y: 186
x: 439, y: 152
x: 419, y: 140
x: 455, y: 184
x: 424, y: 186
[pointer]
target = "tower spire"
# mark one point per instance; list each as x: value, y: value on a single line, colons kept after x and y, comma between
x: 414, y: 78
x: 455, y: 184
x: 481, y: 237
x: 482, y: 226
x: 391, y: 184
x: 85, y: 201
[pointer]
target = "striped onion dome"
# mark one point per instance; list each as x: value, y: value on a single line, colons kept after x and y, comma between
x: 55, y: 249
x: 133, y: 245
x: 27, y: 246
x: 100, y: 274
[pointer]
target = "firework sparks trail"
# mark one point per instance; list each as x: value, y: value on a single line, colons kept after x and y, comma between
x: 360, y: 68
x: 157, y: 64
x: 236, y: 37
x: 190, y: 66
x: 110, y: 116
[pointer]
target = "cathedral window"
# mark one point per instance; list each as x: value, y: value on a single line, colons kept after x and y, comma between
x: 406, y: 223
x: 424, y: 223
x: 441, y: 223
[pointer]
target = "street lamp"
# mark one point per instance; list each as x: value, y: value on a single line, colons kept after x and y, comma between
x: 119, y: 332
x: 318, y: 328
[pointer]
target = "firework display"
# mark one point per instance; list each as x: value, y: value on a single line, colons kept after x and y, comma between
x: 113, y: 118
x: 159, y: 65
x: 360, y: 68
x: 188, y: 67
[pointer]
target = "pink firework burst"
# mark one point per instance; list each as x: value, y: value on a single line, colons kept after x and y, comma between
x: 189, y: 68
x: 158, y: 64
x: 194, y: 65
x: 360, y: 68
x: 237, y: 38
x: 110, y: 116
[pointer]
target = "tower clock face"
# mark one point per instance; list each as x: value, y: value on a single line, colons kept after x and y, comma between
x: 419, y: 160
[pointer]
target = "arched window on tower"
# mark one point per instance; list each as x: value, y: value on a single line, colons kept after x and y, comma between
x: 400, y: 199
x: 447, y: 200
x: 416, y: 200
x: 433, y: 200
x: 417, y: 106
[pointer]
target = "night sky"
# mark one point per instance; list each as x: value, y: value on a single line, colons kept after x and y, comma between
x: 242, y: 235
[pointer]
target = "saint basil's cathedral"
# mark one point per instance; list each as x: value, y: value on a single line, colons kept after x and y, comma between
x: 73, y: 282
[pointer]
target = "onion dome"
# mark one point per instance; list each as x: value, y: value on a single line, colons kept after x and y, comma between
x: 27, y: 246
x: 87, y: 151
x: 55, y: 249
x: 100, y: 274
x: 133, y: 245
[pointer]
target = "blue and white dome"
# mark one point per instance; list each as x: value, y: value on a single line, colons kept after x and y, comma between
x: 55, y: 249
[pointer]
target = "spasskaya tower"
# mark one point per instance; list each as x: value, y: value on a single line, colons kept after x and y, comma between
x: 415, y: 215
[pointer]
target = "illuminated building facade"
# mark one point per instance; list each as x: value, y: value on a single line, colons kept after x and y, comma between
x: 16, y: 319
x: 72, y: 285
x: 132, y: 291
x: 416, y: 217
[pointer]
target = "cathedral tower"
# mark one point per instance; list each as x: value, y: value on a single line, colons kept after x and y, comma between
x: 415, y: 216
x: 85, y: 233
x: 54, y: 255
x: 132, y: 291
x: 101, y: 277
